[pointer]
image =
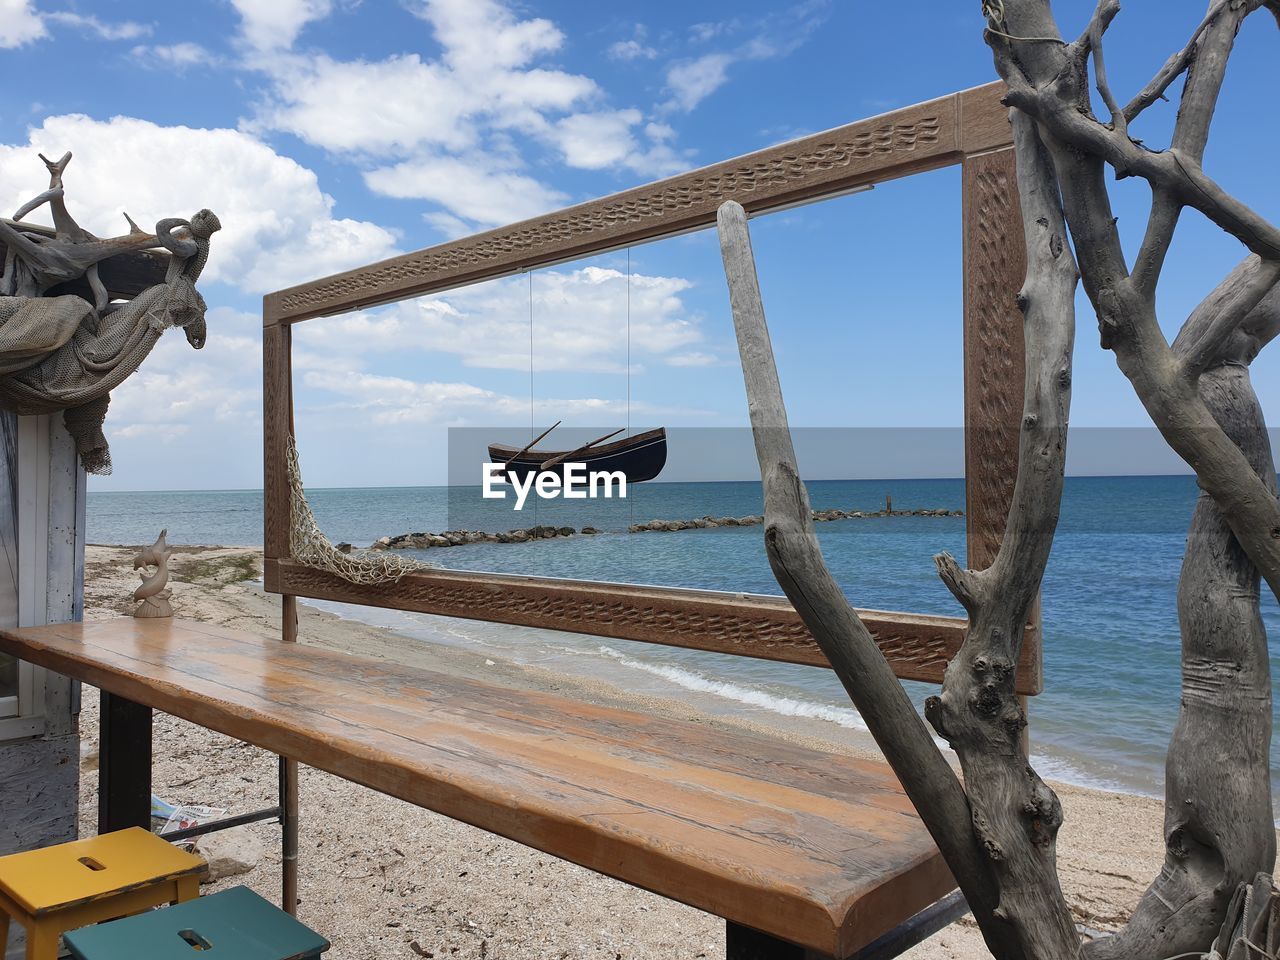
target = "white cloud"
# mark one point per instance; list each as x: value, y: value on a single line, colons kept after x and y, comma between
x: 580, y: 322
x: 693, y: 359
x: 595, y: 141
x: 776, y: 34
x: 172, y: 56
x: 466, y: 189
x: 19, y: 24
x: 395, y: 401
x: 268, y: 25
x: 692, y: 81
x: 453, y: 130
x: 702, y: 32
x: 179, y: 390
x: 484, y: 80
x: 125, y: 30
x: 393, y: 105
x: 482, y: 36
x: 631, y: 50
x: 635, y: 48
x: 278, y: 226
x: 604, y: 140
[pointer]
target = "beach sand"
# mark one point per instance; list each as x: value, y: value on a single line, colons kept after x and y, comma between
x: 383, y: 879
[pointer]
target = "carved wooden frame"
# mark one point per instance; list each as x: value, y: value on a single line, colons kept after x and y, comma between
x: 969, y: 128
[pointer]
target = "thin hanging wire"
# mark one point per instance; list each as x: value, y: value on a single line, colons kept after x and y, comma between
x: 628, y: 341
x: 533, y: 413
x: 631, y: 494
x: 533, y: 426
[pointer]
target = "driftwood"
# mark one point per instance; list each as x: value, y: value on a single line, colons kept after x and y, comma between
x: 1219, y: 829
x: 1006, y: 811
x: 67, y: 353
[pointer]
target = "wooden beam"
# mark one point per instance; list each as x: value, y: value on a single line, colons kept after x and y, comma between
x: 995, y: 266
x: 766, y: 628
x: 277, y: 428
x: 995, y: 260
x: 921, y: 137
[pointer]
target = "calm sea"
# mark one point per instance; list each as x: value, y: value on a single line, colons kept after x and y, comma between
x: 1111, y: 632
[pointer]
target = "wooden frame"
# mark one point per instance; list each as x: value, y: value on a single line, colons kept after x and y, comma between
x: 969, y: 128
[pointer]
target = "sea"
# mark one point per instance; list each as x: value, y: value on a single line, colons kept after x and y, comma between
x: 1111, y: 641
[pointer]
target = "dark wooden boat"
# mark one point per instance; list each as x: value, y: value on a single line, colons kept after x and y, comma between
x: 639, y: 458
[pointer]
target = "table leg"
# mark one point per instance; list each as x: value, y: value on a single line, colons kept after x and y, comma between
x: 124, y: 765
x: 743, y: 943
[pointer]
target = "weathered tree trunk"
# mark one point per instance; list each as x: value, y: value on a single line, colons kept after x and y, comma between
x: 1015, y: 814
x: 1219, y: 829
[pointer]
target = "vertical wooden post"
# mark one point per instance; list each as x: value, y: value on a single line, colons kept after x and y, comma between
x: 289, y: 785
x: 995, y: 266
x: 64, y: 568
x: 277, y: 430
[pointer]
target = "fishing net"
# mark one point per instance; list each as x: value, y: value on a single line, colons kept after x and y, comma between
x: 60, y: 353
x: 311, y: 547
x: 1252, y: 927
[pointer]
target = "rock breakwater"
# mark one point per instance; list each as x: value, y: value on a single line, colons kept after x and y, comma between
x: 458, y: 538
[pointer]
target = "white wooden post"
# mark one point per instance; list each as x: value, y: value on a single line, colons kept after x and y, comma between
x: 42, y: 522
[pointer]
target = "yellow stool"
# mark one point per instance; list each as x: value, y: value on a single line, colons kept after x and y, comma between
x: 71, y: 885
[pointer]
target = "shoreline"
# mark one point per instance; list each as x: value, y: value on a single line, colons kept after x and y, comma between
x: 378, y: 875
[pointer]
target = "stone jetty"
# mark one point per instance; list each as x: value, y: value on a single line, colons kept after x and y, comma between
x: 819, y: 516
x: 458, y: 538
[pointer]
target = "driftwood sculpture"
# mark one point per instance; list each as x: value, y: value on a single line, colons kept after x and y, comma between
x: 66, y: 353
x: 998, y: 830
x: 154, y: 563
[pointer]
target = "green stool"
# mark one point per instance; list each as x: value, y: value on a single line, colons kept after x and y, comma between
x: 236, y: 924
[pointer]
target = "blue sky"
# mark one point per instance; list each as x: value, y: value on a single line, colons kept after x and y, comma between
x: 327, y: 133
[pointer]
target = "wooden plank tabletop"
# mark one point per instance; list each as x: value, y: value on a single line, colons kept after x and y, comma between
x: 817, y: 848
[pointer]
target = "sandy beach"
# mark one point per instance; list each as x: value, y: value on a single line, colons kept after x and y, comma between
x: 383, y: 879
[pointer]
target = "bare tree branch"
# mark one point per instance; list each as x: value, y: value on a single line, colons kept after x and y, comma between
x: 1180, y: 176
x: 1206, y: 69
x: 798, y: 565
x: 1173, y: 67
x: 1249, y: 295
x: 1103, y: 14
x: 1057, y: 97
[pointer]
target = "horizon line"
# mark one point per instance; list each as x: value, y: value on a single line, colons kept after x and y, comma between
x: 463, y: 486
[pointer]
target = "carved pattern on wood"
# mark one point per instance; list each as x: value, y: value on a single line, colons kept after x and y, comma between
x: 918, y: 647
x: 702, y: 190
x: 993, y: 348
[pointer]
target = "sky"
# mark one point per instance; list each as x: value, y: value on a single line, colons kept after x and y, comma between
x: 330, y: 133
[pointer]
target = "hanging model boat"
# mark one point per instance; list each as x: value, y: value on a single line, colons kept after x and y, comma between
x: 639, y: 458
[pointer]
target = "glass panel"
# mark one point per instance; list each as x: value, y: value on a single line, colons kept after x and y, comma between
x: 8, y: 686
x: 8, y: 676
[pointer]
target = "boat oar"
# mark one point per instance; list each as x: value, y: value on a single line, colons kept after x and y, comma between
x: 531, y: 444
x: 556, y: 461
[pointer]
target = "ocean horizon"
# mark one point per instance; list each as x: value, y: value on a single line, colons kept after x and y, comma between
x: 1111, y: 639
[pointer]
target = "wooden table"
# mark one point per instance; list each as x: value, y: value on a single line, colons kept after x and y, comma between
x: 815, y: 848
